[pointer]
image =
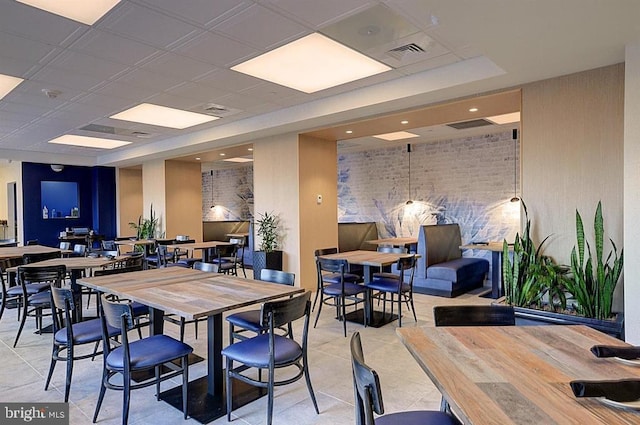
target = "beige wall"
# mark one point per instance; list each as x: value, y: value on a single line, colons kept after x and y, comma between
x: 183, y: 187
x: 153, y: 192
x: 318, y: 222
x: 572, y: 156
x: 276, y: 188
x: 11, y: 171
x: 129, y: 199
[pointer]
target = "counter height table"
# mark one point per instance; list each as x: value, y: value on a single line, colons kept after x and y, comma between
x: 518, y: 375
x: 193, y: 294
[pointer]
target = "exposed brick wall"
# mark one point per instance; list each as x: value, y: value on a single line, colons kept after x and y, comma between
x: 231, y: 191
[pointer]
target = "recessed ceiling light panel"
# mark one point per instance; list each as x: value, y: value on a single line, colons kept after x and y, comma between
x: 147, y: 113
x: 398, y: 135
x: 89, y: 142
x: 8, y: 83
x: 505, y: 118
x: 238, y: 159
x: 311, y: 64
x: 87, y: 12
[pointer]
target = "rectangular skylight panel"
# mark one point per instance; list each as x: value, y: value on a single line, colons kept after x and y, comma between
x: 89, y: 142
x: 163, y: 116
x: 311, y: 64
x: 8, y: 83
x: 398, y: 135
x: 85, y: 11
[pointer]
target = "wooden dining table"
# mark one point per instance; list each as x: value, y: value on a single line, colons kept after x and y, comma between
x: 194, y: 294
x: 396, y: 241
x: 206, y: 247
x: 519, y: 375
x: 8, y: 253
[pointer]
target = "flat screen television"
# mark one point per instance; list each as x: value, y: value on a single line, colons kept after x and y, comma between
x: 59, y: 199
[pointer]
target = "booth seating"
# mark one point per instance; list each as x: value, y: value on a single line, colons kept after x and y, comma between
x: 354, y: 236
x: 441, y: 268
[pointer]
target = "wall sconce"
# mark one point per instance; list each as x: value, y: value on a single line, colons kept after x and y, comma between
x: 409, y: 202
x: 212, y: 207
x: 514, y: 135
x: 57, y: 167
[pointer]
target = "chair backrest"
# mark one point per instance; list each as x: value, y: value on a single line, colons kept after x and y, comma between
x: 63, y: 303
x: 392, y: 249
x: 35, y: 258
x: 474, y: 315
x: 367, y: 389
x: 206, y: 267
x: 333, y: 265
x: 280, y: 312
x: 31, y: 242
x: 117, y: 314
x: 80, y: 249
x: 325, y: 251
x: 65, y: 245
x: 109, y: 245
x: 52, y: 274
x: 134, y: 259
x: 226, y: 250
x: 277, y: 276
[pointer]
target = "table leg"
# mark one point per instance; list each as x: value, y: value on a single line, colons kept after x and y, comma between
x: 496, y: 281
x: 76, y: 290
x: 215, y: 372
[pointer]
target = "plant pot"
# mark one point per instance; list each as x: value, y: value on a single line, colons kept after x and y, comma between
x: 530, y: 316
x: 266, y: 260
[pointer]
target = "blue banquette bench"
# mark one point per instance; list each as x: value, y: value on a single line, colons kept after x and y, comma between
x: 441, y: 269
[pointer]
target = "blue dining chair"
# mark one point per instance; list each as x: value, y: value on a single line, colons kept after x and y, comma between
x: 270, y: 351
x: 368, y: 397
x: 144, y: 354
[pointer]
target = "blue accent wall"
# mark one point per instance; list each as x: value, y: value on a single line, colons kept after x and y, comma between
x: 96, y: 201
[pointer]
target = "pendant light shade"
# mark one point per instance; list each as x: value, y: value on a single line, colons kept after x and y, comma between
x: 409, y: 201
x: 515, y: 165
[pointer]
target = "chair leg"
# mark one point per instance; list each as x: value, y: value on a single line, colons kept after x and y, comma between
x: 103, y: 389
x: 319, y: 310
x: 229, y: 389
x: 126, y: 398
x: 343, y: 314
x: 413, y: 309
x: 315, y: 299
x: 182, y: 324
x: 185, y: 385
x: 156, y: 371
x: 23, y: 319
x: 67, y: 384
x: 270, y: 396
x: 307, y: 378
x: 51, y: 367
x: 399, y: 310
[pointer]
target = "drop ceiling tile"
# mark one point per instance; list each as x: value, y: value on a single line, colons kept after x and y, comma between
x: 127, y: 91
x: 320, y: 13
x: 217, y: 50
x: 24, y: 109
x: 113, y: 47
x: 31, y: 92
x: 260, y: 27
x: 197, y: 92
x: 12, y: 119
x: 43, y: 26
x: 88, y: 65
x: 180, y: 66
x: 242, y: 102
x: 272, y: 92
x: 202, y: 12
x: 428, y: 64
x: 150, y: 80
x: 174, y: 101
x: 143, y: 24
x: 67, y: 79
x: 16, y: 67
x: 21, y: 48
x: 229, y: 80
x: 417, y: 12
x: 111, y: 104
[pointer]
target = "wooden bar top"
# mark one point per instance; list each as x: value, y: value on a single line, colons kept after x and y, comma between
x: 519, y: 374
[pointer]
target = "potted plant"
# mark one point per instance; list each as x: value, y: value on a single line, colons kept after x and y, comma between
x: 268, y: 256
x: 145, y: 227
x: 543, y: 292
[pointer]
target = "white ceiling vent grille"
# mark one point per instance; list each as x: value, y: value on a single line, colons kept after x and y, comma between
x: 116, y: 131
x: 465, y: 125
x: 400, y: 52
x: 216, y: 110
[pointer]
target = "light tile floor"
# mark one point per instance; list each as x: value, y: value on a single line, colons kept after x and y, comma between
x: 405, y: 386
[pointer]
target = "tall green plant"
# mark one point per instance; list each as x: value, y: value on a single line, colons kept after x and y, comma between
x: 593, y: 288
x: 528, y: 276
x: 268, y: 231
x: 145, y: 227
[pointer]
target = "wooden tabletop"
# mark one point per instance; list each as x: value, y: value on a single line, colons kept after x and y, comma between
x: 75, y: 263
x: 367, y: 258
x: 200, y: 245
x: 134, y: 242
x: 19, y: 251
x: 187, y: 292
x: 394, y: 241
x: 518, y: 374
x: 238, y: 235
x: 488, y: 246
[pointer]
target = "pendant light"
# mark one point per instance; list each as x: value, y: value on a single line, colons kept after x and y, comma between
x: 409, y: 202
x: 514, y: 136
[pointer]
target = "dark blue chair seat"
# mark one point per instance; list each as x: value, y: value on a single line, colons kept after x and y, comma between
x: 148, y: 352
x: 139, y: 309
x: 249, y: 320
x: 32, y: 288
x: 387, y: 285
x: 459, y: 269
x: 335, y: 290
x: 189, y: 262
x: 41, y: 298
x: 416, y: 417
x: 85, y: 332
x: 254, y: 352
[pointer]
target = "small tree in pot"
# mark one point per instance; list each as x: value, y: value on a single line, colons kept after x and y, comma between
x: 268, y: 257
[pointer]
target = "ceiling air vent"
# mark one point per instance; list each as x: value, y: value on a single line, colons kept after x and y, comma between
x: 107, y: 129
x: 464, y: 125
x: 400, y: 51
x: 218, y: 110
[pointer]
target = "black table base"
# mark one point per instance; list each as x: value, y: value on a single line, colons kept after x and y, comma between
x: 206, y: 408
x: 377, y: 319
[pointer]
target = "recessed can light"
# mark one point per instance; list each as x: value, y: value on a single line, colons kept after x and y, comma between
x: 473, y: 109
x: 404, y: 122
x: 250, y: 149
x: 222, y: 154
x: 197, y: 158
x: 349, y: 131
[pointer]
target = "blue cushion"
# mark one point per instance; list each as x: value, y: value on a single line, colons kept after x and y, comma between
x: 459, y: 269
x: 189, y: 261
x: 148, y: 352
x: 139, y: 309
x: 335, y: 278
x: 83, y: 332
x: 387, y: 285
x: 431, y: 417
x: 246, y: 319
x: 32, y: 288
x: 335, y: 289
x: 255, y: 351
x: 41, y: 298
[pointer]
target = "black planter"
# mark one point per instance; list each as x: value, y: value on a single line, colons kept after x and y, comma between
x: 266, y: 260
x: 530, y: 316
